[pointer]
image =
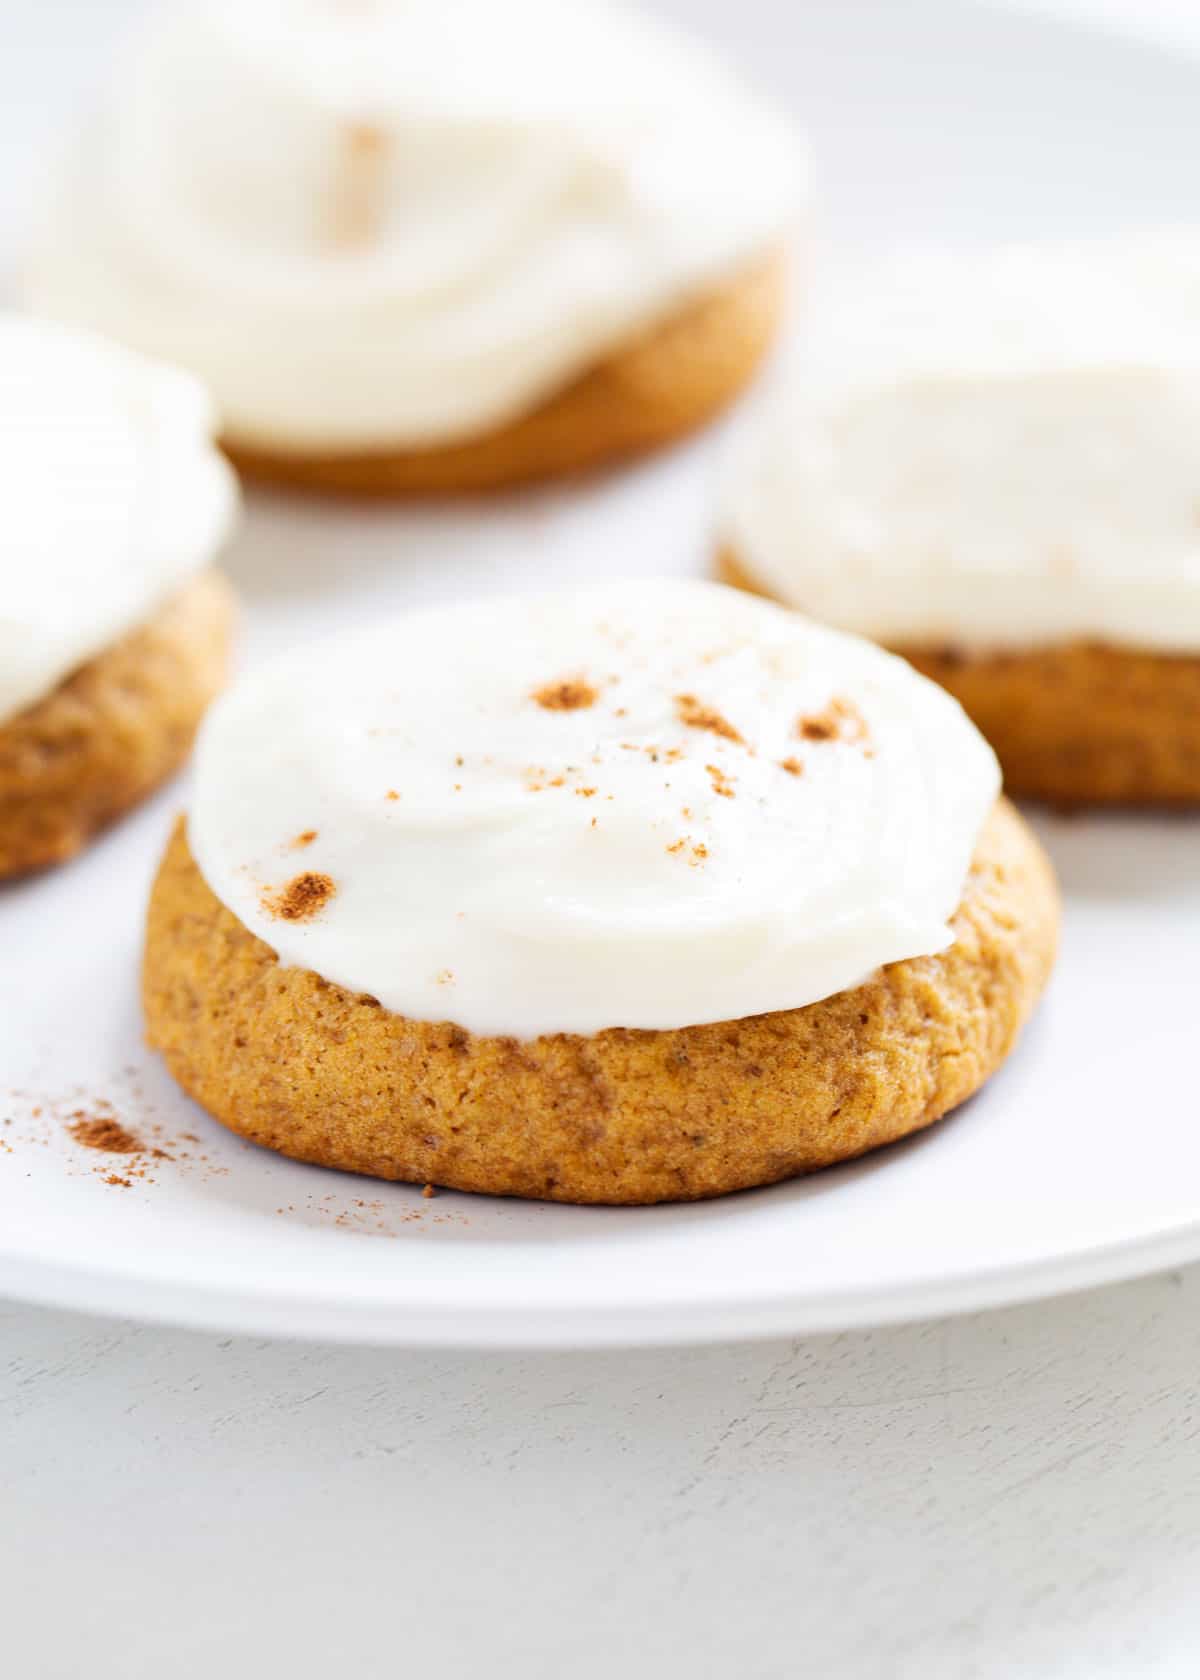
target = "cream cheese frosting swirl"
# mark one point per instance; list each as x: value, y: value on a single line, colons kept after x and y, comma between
x: 114, y: 495
x: 652, y: 805
x: 991, y: 451
x: 401, y: 222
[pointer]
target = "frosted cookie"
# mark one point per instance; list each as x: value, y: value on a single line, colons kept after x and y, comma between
x: 430, y: 245
x: 641, y: 895
x: 114, y: 627
x: 992, y: 465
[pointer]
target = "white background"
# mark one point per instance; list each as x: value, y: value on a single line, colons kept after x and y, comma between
x: 1012, y: 1494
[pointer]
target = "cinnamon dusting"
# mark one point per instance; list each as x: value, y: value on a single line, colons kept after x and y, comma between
x: 356, y: 210
x: 696, y: 715
x: 101, y: 1131
x: 571, y: 695
x: 840, y: 721
x: 301, y: 898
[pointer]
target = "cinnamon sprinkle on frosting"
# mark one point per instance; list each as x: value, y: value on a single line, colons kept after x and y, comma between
x: 696, y: 715
x: 572, y: 695
x: 356, y: 211
x: 301, y: 898
x: 840, y: 721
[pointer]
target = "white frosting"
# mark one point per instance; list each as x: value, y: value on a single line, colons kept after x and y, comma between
x: 113, y: 496
x: 995, y: 451
x: 522, y: 870
x: 370, y: 222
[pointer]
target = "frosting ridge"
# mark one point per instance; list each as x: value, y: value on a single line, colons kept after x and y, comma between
x: 407, y: 221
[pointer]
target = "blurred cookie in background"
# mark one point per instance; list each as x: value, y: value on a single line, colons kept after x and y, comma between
x: 114, y: 626
x: 991, y: 464
x: 430, y: 246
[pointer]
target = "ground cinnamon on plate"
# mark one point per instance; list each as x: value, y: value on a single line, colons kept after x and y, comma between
x: 102, y: 1132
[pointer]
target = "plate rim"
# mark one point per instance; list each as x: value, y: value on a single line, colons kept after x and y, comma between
x: 194, y: 1305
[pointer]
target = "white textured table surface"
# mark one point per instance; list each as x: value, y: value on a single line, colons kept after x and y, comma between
x: 1012, y: 1494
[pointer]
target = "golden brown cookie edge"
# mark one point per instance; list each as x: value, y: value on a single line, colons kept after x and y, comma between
x: 107, y: 735
x: 300, y: 1065
x: 665, y: 383
x: 1075, y: 724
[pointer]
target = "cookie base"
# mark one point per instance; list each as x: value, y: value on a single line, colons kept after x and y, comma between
x: 73, y: 762
x: 1075, y: 724
x: 665, y: 383
x: 302, y: 1066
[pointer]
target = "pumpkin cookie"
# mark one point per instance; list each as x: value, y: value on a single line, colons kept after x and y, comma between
x: 114, y: 629
x: 108, y: 734
x: 403, y: 270
x: 666, y: 382
x: 1078, y: 723
x: 992, y: 469
x: 628, y: 897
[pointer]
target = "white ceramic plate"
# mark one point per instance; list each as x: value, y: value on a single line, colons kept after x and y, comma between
x: 1079, y: 1163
